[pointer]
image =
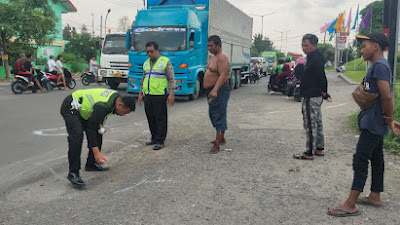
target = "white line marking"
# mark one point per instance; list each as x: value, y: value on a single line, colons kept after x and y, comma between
x: 50, y: 160
x: 333, y: 106
x: 119, y: 142
x: 143, y: 181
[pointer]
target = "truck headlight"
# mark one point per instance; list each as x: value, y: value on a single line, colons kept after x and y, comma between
x: 103, y: 72
x: 131, y: 79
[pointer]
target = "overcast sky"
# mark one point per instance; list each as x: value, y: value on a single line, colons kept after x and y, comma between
x: 298, y: 16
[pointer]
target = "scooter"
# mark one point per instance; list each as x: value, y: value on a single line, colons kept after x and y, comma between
x: 254, y: 76
x: 20, y: 83
x: 283, y: 87
x: 69, y: 80
x: 89, y: 77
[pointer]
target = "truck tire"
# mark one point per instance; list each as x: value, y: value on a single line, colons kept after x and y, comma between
x: 113, y: 84
x: 196, y: 93
x: 232, y: 80
x: 238, y: 80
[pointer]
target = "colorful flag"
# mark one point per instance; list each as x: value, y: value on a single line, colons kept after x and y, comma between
x: 331, y: 37
x: 339, y: 22
x: 366, y: 19
x: 356, y: 19
x: 349, y: 22
x: 326, y: 26
x: 331, y: 28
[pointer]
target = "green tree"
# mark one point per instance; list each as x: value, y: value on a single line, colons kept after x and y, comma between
x: 25, y: 21
x: 261, y: 44
x: 377, y: 17
x: 82, y: 45
x: 328, y: 51
x: 67, y: 32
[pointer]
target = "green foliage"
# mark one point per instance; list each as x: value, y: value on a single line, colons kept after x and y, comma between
x: 280, y: 55
x: 328, y: 51
x: 74, y: 62
x: 356, y: 76
x: 261, y: 44
x: 83, y: 46
x: 41, y: 61
x: 377, y: 17
x: 360, y: 65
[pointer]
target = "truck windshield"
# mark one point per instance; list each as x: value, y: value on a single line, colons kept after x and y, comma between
x: 270, y: 59
x: 115, y: 44
x: 170, y: 39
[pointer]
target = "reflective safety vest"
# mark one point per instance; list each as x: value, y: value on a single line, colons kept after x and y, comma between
x: 155, y: 80
x: 89, y: 97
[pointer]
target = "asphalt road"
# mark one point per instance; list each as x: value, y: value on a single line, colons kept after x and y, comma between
x: 253, y: 180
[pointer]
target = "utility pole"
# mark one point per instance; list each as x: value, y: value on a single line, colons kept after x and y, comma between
x: 92, y: 25
x: 101, y: 27
x: 390, y: 25
x: 144, y: 4
x: 262, y: 21
x: 282, y: 37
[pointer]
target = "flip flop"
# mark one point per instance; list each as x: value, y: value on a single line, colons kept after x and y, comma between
x: 363, y: 201
x: 317, y: 154
x: 302, y: 157
x: 347, y: 212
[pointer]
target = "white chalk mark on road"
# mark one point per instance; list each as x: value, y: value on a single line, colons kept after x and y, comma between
x: 51, y: 171
x: 334, y: 106
x: 143, y: 181
x: 47, y: 132
x: 50, y: 160
x: 118, y: 142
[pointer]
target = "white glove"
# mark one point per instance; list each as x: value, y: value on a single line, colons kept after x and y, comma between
x: 75, y: 104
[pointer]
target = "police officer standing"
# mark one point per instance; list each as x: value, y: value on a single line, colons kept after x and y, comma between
x: 86, y: 110
x: 158, y: 78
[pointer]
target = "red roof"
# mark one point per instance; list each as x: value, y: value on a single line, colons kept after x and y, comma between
x: 68, y: 5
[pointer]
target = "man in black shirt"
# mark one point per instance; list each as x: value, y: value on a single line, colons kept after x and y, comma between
x: 313, y: 89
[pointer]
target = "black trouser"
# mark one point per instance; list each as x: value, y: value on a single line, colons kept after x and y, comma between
x: 155, y: 107
x: 369, y: 148
x: 75, y: 126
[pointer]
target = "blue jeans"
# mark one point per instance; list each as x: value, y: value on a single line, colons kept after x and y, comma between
x: 369, y: 148
x: 217, y: 108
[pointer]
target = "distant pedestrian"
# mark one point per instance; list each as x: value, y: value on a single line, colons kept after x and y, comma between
x: 313, y: 89
x: 375, y: 98
x: 86, y: 110
x: 93, y: 68
x: 217, y: 88
x: 158, y: 75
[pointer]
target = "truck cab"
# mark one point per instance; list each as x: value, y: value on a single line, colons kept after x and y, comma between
x: 114, y: 60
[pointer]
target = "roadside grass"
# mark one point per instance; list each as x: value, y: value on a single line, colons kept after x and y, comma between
x: 391, y: 142
x: 359, y: 65
x: 356, y: 76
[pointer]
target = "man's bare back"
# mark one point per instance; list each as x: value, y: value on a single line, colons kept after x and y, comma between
x: 215, y: 68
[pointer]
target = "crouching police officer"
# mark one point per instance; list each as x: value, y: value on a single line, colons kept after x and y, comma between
x: 86, y: 110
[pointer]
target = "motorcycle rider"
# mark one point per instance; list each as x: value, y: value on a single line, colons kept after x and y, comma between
x: 61, y: 75
x: 93, y: 68
x: 28, y: 67
x: 286, y: 70
x: 18, y: 69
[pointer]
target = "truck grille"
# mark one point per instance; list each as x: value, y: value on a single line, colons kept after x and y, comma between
x: 119, y: 65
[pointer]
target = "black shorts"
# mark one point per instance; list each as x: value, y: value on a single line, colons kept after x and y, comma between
x: 54, y: 72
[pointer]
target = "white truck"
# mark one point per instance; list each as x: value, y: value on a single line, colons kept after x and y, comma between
x: 114, y: 60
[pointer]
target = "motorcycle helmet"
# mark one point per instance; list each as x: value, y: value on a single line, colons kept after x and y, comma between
x: 281, y: 61
x: 301, y: 60
x: 288, y: 59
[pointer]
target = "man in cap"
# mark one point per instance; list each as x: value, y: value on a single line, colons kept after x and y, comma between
x: 374, y: 122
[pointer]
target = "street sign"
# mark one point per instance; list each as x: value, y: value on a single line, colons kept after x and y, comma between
x: 341, y: 46
x: 342, y: 40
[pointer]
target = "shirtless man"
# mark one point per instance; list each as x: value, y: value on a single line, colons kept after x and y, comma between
x: 217, y: 88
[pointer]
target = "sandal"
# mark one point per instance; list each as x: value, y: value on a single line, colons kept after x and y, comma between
x: 364, y: 201
x: 302, y: 157
x: 345, y: 214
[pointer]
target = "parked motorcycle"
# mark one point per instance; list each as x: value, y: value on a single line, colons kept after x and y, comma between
x: 89, y: 77
x: 69, y: 80
x: 20, y: 83
x: 341, y: 69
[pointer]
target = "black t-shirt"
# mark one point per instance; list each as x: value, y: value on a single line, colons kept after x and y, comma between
x: 27, y: 65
